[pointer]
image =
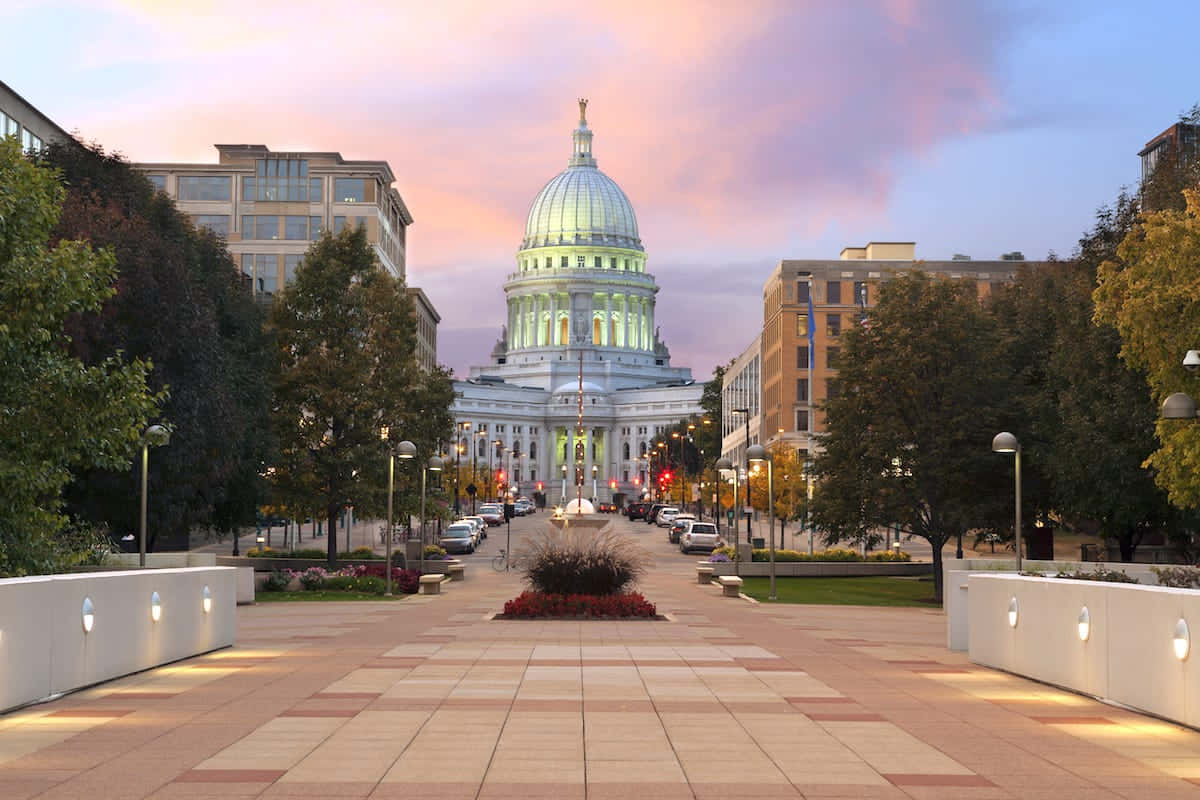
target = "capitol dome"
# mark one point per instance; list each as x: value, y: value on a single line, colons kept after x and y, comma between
x: 581, y: 205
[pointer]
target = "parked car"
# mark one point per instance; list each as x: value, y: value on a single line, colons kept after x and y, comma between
x: 492, y: 513
x: 458, y: 538
x: 666, y: 516
x: 636, y: 510
x: 607, y: 508
x: 483, y: 525
x: 652, y: 513
x: 476, y: 527
x: 677, y: 527
x: 699, y: 536
x: 523, y: 506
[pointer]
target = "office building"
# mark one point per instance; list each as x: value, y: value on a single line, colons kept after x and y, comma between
x: 19, y: 118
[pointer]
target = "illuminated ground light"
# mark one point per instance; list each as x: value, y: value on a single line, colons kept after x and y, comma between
x: 206, y: 601
x: 155, y: 607
x: 1183, y: 641
x: 89, y: 615
x: 1085, y: 624
x: 1012, y: 613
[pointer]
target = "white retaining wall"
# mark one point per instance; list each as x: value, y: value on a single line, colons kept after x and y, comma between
x: 44, y: 650
x: 1128, y: 657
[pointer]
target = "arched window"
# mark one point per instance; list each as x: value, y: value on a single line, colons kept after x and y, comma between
x: 643, y: 448
x: 626, y: 449
x: 481, y: 450
x: 533, y: 449
x: 596, y: 329
x: 516, y: 447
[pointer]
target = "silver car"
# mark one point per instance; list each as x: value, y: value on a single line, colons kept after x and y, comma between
x: 699, y: 536
x: 666, y: 516
x: 458, y: 538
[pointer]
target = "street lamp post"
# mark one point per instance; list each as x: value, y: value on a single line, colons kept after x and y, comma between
x: 725, y: 465
x: 745, y: 412
x: 1005, y: 442
x: 474, y: 463
x: 404, y: 450
x: 563, y: 500
x: 758, y: 454
x: 434, y: 464
x: 595, y: 469
x: 154, y: 436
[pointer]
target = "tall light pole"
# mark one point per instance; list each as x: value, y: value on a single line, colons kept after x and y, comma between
x: 595, y: 469
x: 405, y: 450
x: 474, y: 460
x: 1005, y: 442
x: 434, y: 464
x: 563, y: 501
x: 460, y: 429
x: 758, y: 454
x: 725, y: 465
x: 153, y: 436
x: 745, y: 412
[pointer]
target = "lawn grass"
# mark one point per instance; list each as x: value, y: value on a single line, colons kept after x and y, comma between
x: 875, y: 590
x: 319, y: 596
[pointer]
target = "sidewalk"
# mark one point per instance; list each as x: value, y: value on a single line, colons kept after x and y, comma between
x: 426, y: 698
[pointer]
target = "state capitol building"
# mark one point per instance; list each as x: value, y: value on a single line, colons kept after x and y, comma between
x: 580, y: 289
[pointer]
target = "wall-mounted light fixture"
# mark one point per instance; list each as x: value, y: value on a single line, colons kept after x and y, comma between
x: 1085, y: 624
x: 89, y: 615
x: 1012, y: 613
x: 206, y: 600
x: 155, y: 606
x: 1183, y: 640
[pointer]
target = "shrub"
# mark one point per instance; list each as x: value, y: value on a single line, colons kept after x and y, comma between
x: 889, y: 555
x: 398, y: 559
x: 261, y: 552
x: 1101, y: 573
x: 839, y: 554
x: 573, y: 562
x: 434, y: 553
x: 278, y: 580
x: 405, y: 581
x: 313, y: 578
x: 339, y: 583
x: 361, y: 554
x: 1178, y: 577
x: 370, y: 585
x: 541, y: 604
x: 718, y: 558
x: 308, y: 552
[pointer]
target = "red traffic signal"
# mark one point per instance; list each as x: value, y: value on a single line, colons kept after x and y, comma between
x: 500, y: 475
x: 612, y: 484
x: 539, y: 486
x: 666, y: 477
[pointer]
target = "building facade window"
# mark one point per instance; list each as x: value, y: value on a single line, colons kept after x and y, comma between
x: 598, y: 262
x: 315, y: 228
x: 833, y: 292
x: 580, y: 262
x: 217, y: 223
x: 341, y: 222
x: 295, y: 227
x: 260, y: 227
x: 802, y: 291
x: 802, y: 390
x: 290, y: 263
x: 315, y: 194
x: 832, y: 354
x: 205, y: 188
x: 802, y: 419
x: 802, y: 325
x: 349, y: 190
x: 263, y: 271
x: 831, y: 388
x: 282, y: 179
x: 159, y: 182
x: 248, y: 192
x: 564, y: 263
x: 833, y: 325
x: 612, y: 263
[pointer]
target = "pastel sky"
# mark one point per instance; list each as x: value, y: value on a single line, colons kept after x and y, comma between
x: 743, y: 131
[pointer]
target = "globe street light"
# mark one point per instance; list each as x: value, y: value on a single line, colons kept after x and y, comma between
x: 725, y: 465
x: 745, y: 412
x: 405, y: 450
x: 154, y: 436
x: 433, y: 465
x: 758, y: 455
x: 1005, y: 442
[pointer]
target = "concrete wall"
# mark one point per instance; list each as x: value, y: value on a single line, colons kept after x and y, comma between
x: 44, y: 650
x: 1129, y: 655
x: 823, y: 569
x: 160, y: 560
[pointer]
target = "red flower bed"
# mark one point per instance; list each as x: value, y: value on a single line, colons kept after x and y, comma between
x: 539, y: 604
x: 405, y: 581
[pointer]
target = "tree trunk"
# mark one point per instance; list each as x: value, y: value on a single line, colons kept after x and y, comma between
x: 331, y: 535
x: 1127, y: 542
x: 937, y: 570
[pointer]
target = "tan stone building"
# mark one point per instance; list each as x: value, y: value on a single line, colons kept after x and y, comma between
x: 270, y: 206
x: 807, y: 305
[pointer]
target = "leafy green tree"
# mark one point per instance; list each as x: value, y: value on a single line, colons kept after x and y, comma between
x: 59, y: 413
x: 345, y: 336
x: 182, y: 305
x: 909, y: 429
x: 1150, y: 291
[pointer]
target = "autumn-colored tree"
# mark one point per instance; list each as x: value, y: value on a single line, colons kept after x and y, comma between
x: 59, y: 412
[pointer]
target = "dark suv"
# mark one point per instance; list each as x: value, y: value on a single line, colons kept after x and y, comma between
x: 637, y: 510
x: 652, y: 513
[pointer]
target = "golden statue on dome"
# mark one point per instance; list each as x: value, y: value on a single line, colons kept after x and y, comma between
x: 583, y: 109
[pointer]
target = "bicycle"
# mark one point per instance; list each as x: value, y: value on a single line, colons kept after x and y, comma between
x: 500, y: 562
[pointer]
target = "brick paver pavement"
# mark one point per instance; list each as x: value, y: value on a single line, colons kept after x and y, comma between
x: 428, y: 698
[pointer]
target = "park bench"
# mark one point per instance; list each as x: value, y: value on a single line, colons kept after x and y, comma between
x: 704, y: 573
x: 456, y: 571
x: 731, y: 585
x: 432, y: 584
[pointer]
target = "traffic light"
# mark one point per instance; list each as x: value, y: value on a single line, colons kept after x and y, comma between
x: 666, y: 477
x: 499, y: 476
x: 612, y: 484
x: 539, y: 485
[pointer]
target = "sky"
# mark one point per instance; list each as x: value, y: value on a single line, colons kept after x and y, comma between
x: 743, y: 131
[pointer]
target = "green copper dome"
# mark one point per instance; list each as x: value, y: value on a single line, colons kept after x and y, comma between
x: 581, y: 205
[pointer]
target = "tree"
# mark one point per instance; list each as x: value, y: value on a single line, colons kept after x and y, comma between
x: 59, y: 413
x: 1150, y: 291
x: 909, y: 429
x: 346, y: 367
x: 790, y: 487
x: 182, y: 305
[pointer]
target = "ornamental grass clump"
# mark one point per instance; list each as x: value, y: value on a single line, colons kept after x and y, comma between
x: 582, y: 562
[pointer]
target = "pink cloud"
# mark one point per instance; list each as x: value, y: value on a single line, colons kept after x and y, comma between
x: 736, y: 133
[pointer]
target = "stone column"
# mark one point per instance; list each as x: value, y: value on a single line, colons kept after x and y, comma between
x: 588, y: 438
x: 538, y: 327
x: 553, y: 319
x: 608, y: 322
x: 512, y: 334
x: 634, y: 321
x: 650, y: 326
